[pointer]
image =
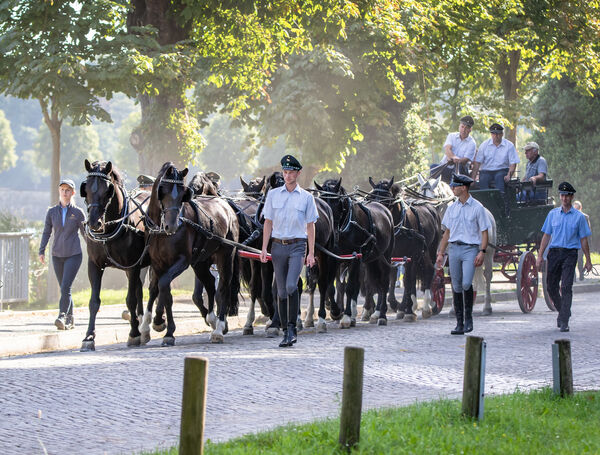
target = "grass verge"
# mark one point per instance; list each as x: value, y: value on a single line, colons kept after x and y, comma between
x: 537, y: 422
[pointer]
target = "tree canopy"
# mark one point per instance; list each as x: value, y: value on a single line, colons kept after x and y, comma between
x: 8, y: 157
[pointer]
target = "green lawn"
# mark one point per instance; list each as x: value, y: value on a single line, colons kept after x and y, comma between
x: 115, y: 296
x: 520, y: 423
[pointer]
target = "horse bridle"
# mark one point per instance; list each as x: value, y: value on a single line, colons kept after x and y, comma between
x: 94, y: 188
x: 163, y: 210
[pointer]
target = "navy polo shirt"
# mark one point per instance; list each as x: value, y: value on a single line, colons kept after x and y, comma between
x: 567, y: 229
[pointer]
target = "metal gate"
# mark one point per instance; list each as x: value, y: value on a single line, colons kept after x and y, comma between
x: 14, y: 267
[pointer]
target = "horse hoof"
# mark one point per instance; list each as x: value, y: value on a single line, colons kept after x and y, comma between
x: 400, y: 315
x: 381, y: 321
x: 321, y: 328
x: 486, y: 311
x: 88, y: 345
x: 309, y: 323
x: 335, y: 317
x: 216, y: 339
x: 134, y: 341
x: 248, y: 331
x: 345, y: 322
x: 426, y: 314
x: 272, y: 332
x: 365, y: 316
x: 159, y: 328
x: 145, y: 338
x: 411, y: 317
x: 168, y: 341
x: 373, y: 320
x: 126, y: 315
x: 353, y: 322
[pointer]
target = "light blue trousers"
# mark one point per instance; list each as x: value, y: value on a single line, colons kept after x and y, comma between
x: 462, y: 265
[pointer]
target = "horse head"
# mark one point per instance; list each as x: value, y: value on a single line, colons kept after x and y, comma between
x: 275, y: 180
x: 171, y: 193
x: 254, y: 188
x: 335, y: 195
x: 202, y: 184
x: 382, y: 191
x: 434, y: 188
x: 98, y: 190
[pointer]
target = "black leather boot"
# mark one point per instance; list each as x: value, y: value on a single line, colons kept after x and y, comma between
x: 469, y: 310
x: 458, y: 308
x: 292, y: 334
x: 286, y: 339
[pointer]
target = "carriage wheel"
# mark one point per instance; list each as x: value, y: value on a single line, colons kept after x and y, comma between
x: 547, y: 297
x: 438, y: 291
x: 527, y: 282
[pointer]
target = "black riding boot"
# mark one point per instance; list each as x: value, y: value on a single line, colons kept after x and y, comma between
x: 293, y: 307
x: 469, y: 310
x: 283, y: 320
x: 458, y: 309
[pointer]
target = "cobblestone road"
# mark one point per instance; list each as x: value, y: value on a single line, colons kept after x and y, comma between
x: 119, y: 400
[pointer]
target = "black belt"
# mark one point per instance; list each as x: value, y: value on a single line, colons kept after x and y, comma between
x: 458, y: 242
x: 563, y: 249
x: 287, y: 241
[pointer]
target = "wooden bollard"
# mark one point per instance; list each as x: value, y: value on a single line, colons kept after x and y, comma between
x: 193, y: 406
x: 474, y: 379
x: 351, y: 397
x: 562, y: 368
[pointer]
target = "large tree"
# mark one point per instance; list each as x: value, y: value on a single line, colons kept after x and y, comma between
x: 488, y: 58
x: 8, y: 157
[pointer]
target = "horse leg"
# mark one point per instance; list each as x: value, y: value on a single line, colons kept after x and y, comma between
x: 224, y: 297
x: 207, y: 280
x: 352, y: 290
x: 488, y: 264
x: 165, y: 298
x: 158, y: 324
x: 428, y: 273
x: 95, y: 277
x: 391, y: 298
x: 299, y: 325
x: 410, y: 290
x: 145, y: 325
x: 311, y: 284
x: 133, y: 293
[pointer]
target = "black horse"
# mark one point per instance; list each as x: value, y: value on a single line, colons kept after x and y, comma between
x: 115, y: 238
x: 188, y: 231
x: 365, y: 230
x: 417, y: 232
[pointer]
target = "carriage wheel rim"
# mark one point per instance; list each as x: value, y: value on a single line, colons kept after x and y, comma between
x: 527, y: 282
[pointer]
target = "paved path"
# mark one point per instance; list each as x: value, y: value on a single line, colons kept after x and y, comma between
x: 123, y: 400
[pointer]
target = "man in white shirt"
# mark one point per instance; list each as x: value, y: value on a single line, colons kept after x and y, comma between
x: 496, y: 160
x: 290, y: 214
x: 459, y: 150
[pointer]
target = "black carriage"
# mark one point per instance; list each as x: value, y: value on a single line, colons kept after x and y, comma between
x: 518, y: 237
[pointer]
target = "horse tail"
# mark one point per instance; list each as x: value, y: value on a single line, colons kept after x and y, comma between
x: 234, y: 302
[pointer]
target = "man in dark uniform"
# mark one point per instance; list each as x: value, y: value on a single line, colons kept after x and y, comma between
x: 290, y: 214
x: 565, y: 230
x: 466, y: 232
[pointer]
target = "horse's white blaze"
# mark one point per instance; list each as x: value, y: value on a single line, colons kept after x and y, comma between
x: 354, y: 308
x: 211, y: 318
x: 345, y: 322
x: 145, y: 325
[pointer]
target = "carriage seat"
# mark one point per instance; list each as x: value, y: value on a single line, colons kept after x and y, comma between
x: 528, y: 194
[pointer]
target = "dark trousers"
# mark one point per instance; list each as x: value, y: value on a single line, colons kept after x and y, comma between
x: 487, y: 177
x: 65, y: 270
x: 561, y: 270
x: 288, y: 261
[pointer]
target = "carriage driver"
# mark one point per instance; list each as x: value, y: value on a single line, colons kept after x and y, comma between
x: 290, y: 214
x: 466, y: 227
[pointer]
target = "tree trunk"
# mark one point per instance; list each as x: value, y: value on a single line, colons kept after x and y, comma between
x: 507, y: 71
x: 159, y: 140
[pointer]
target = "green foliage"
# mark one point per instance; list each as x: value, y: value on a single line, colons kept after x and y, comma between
x: 570, y: 142
x: 76, y: 142
x: 8, y: 157
x: 534, y: 423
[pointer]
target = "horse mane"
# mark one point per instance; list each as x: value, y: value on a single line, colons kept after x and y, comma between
x: 201, y: 184
x: 99, y: 166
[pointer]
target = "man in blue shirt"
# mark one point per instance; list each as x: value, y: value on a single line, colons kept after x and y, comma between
x: 290, y: 214
x: 565, y: 231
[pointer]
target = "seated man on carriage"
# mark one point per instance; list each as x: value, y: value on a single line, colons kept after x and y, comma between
x: 536, y: 172
x: 459, y: 151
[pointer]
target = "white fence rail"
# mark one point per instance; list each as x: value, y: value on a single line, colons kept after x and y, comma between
x: 14, y: 267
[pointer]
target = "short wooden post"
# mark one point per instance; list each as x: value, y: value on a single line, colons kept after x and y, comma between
x: 193, y: 406
x: 351, y: 397
x: 474, y: 379
x: 562, y: 368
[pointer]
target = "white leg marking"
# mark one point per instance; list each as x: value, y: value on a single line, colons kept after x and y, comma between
x: 217, y: 335
x: 321, y: 326
x: 345, y: 322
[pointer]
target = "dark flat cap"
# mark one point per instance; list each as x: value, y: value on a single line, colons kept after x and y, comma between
x: 496, y: 128
x: 566, y: 188
x: 145, y: 179
x: 460, y: 180
x: 468, y: 120
x: 289, y: 163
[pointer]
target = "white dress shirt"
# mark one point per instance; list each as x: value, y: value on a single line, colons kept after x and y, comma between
x: 290, y: 212
x: 466, y: 221
x: 495, y: 157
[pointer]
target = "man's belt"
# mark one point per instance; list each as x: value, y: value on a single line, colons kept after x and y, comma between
x: 560, y: 248
x: 458, y: 242
x: 287, y: 241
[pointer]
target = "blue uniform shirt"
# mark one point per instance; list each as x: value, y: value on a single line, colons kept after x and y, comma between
x: 290, y: 211
x: 566, y: 229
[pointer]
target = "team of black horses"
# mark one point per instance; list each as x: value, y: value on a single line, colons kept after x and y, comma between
x: 178, y: 225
